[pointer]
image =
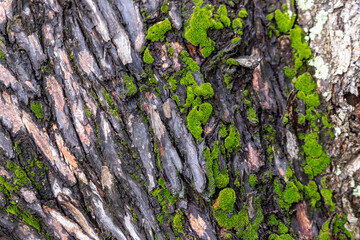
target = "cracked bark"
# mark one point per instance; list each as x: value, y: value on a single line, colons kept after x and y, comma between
x: 99, y: 157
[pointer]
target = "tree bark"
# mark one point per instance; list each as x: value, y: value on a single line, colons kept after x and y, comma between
x: 95, y: 144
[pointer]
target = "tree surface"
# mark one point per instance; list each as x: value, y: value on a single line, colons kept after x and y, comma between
x: 124, y: 119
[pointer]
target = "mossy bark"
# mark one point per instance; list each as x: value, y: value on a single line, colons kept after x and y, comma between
x: 97, y: 144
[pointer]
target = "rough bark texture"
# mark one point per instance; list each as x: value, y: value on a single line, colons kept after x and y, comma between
x: 96, y: 145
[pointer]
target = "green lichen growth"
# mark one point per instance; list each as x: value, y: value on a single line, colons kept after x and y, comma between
x: 165, y: 7
x: 24, y: 215
x: 147, y: 57
x: 111, y: 103
x: 316, y: 159
x: 223, y: 15
x: 231, y: 61
x: 243, y: 13
x: 190, y: 63
x: 37, y: 109
x: 289, y: 72
x: 226, y: 200
x: 281, y: 237
x: 284, y: 20
x: 289, y: 196
x: 252, y: 115
x: 223, y: 132
x: 196, y: 32
x: 327, y: 195
x: 237, y: 25
x: 307, y: 91
x: 301, y: 47
x: 199, y: 2
x: 2, y: 56
x: 283, y: 228
x: 252, y: 180
x: 311, y: 193
x: 178, y: 222
x: 325, y: 233
x: 157, y: 32
x: 130, y: 86
x: 172, y: 83
x: 215, y: 177
x: 198, y: 116
x: 339, y: 228
x: 232, y: 142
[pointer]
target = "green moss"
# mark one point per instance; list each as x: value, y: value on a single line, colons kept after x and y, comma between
x: 325, y: 233
x: 243, y: 13
x: 130, y: 86
x: 232, y: 142
x: 339, y: 228
x: 252, y: 115
x: 316, y: 159
x: 284, y: 20
x: 305, y: 84
x: 2, y: 56
x: 289, y: 72
x: 231, y: 61
x: 291, y: 193
x: 281, y: 237
x: 172, y: 83
x: 196, y: 32
x: 165, y: 7
x: 236, y: 40
x: 198, y: 116
x: 289, y: 196
x: 223, y: 131
x: 157, y: 31
x: 37, y: 109
x: 25, y: 216
x: 205, y: 90
x: 221, y: 178
x: 311, y: 193
x: 252, y: 180
x: 147, y: 57
x: 228, y: 79
x: 298, y: 43
x: 223, y: 15
x: 178, y: 223
x: 237, y: 25
x: 282, y: 228
x: 190, y: 63
x: 199, y: 2
x: 226, y: 200
x: 327, y: 195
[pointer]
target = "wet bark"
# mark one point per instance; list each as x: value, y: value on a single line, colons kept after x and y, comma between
x: 82, y: 157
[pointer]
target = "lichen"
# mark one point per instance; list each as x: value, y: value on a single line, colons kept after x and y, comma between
x: 157, y: 32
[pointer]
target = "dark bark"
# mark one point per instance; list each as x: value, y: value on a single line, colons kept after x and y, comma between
x: 85, y: 158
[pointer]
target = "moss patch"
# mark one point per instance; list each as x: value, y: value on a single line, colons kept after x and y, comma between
x: 147, y: 57
x: 36, y: 107
x: 198, y: 116
x: 130, y: 86
x: 196, y: 32
x: 284, y: 20
x: 157, y: 31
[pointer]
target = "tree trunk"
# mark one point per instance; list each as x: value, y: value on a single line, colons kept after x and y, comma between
x: 151, y: 119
